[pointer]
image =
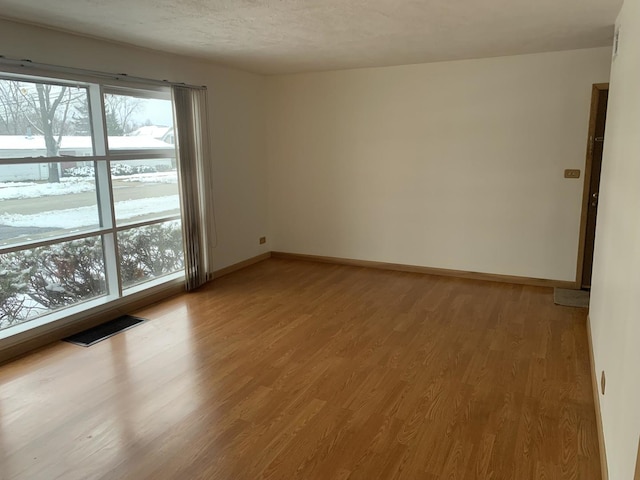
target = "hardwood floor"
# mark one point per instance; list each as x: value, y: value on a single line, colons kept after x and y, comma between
x: 292, y: 369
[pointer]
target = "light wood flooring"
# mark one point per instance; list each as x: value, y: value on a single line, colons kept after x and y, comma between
x: 298, y: 370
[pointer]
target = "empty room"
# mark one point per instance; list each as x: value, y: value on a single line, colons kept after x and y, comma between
x: 330, y: 240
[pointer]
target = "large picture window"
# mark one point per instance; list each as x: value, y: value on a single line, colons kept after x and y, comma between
x: 90, y: 206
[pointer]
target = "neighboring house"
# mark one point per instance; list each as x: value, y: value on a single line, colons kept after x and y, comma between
x: 71, y: 147
x: 154, y: 131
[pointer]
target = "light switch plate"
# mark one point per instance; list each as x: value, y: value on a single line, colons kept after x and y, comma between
x: 571, y: 173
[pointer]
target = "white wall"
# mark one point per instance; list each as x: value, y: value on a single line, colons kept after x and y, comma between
x: 236, y: 121
x: 615, y: 296
x: 455, y: 165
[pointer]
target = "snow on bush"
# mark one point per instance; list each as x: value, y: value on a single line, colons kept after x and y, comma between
x: 120, y: 169
x: 84, y: 171
x: 159, y: 177
x: 49, y: 278
x: 38, y: 281
x: 117, y: 170
x: 150, y: 251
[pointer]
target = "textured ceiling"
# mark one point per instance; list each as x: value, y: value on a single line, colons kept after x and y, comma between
x: 285, y: 36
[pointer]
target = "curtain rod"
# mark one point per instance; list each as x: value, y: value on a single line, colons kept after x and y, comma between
x: 26, y: 63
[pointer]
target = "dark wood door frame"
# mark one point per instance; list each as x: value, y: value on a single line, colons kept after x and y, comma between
x: 595, y: 94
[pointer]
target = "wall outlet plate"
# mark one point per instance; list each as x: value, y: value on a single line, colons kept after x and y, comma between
x: 263, y: 240
x: 603, y: 382
x: 571, y: 173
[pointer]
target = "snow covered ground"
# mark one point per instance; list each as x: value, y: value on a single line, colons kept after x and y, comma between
x: 67, y: 186
x: 71, y: 218
x: 73, y: 185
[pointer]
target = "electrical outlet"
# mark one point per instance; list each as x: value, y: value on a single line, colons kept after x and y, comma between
x: 263, y: 240
x: 603, y: 382
x: 571, y: 173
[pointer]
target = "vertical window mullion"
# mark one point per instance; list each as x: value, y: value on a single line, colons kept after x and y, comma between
x: 104, y: 189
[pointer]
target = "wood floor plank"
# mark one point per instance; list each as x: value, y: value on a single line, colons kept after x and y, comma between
x: 291, y: 369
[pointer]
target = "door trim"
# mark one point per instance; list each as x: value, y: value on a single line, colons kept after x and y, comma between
x: 595, y: 93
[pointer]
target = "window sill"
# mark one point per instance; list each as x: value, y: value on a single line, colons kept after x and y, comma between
x: 48, y: 325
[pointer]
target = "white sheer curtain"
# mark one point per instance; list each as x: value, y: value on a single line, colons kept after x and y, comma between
x: 194, y: 168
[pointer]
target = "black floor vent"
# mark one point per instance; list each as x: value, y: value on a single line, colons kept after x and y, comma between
x: 104, y: 331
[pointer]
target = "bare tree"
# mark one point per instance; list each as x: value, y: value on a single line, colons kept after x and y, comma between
x: 56, y: 110
x: 12, y: 109
x: 47, y: 110
x: 47, y: 114
x: 121, y: 108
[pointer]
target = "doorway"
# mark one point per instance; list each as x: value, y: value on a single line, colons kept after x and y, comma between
x: 591, y: 192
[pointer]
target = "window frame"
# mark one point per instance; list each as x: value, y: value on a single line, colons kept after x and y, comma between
x: 102, y: 159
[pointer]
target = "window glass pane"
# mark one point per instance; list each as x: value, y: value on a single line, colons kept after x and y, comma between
x: 150, y: 252
x: 43, y: 120
x: 62, y: 196
x: 135, y: 123
x: 34, y: 208
x: 145, y: 189
x: 40, y: 280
